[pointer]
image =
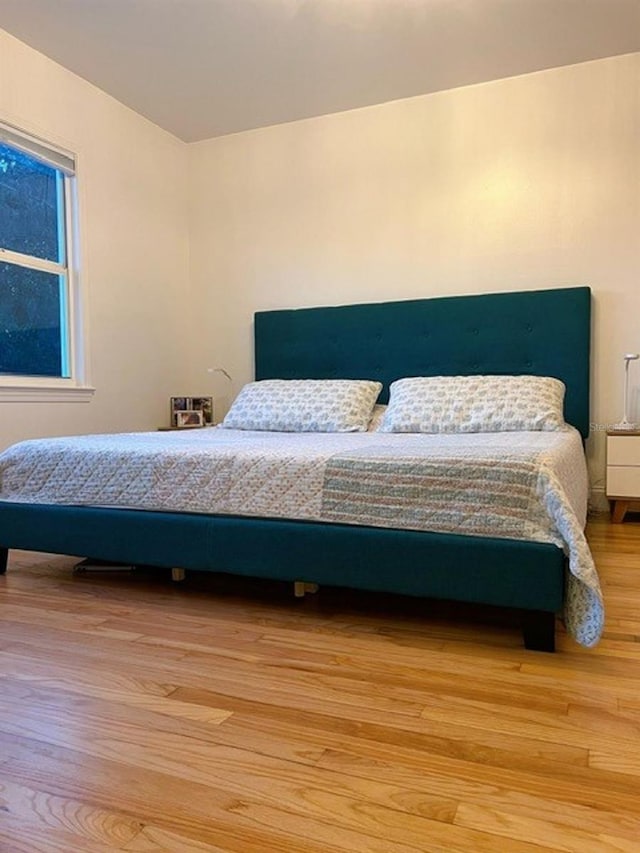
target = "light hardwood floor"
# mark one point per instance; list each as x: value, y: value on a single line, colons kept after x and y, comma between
x: 225, y: 715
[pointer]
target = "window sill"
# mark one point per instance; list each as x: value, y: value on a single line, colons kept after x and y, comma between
x: 46, y: 394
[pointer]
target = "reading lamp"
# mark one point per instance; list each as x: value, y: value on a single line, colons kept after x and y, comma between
x: 624, y: 423
x: 225, y: 374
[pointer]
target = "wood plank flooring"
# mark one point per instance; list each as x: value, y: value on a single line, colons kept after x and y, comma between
x: 224, y: 715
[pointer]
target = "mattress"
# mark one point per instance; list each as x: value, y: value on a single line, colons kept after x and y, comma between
x: 529, y: 486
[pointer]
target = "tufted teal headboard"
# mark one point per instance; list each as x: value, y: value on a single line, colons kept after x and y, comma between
x: 540, y: 332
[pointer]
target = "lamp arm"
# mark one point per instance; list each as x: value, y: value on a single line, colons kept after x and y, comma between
x: 220, y: 370
x: 630, y: 356
x: 625, y: 419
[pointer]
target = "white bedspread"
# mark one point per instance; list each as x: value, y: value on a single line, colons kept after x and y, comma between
x: 530, y: 485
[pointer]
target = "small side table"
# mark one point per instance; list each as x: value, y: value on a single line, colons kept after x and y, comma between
x: 623, y: 470
x: 183, y: 429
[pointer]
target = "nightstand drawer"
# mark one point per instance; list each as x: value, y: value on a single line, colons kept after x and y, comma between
x: 623, y: 450
x: 623, y: 481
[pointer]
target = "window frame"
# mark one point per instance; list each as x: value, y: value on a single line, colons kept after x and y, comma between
x: 75, y: 387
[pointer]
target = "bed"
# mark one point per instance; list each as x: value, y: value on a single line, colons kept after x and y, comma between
x: 541, y: 333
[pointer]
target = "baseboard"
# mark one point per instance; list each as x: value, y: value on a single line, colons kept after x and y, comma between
x: 598, y: 501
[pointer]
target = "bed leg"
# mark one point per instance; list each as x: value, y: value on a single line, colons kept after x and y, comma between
x: 301, y: 587
x: 178, y: 575
x: 4, y: 559
x: 539, y: 630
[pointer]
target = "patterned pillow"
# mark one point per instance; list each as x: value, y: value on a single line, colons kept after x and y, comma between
x: 304, y: 405
x: 454, y: 404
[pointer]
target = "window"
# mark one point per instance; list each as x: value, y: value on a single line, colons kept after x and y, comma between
x: 39, y: 346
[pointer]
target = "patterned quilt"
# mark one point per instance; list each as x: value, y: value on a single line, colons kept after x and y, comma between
x: 528, y: 486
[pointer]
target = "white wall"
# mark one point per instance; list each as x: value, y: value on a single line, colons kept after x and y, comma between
x: 522, y: 183
x: 132, y: 184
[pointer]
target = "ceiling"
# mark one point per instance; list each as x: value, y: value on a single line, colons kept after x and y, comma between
x: 204, y: 68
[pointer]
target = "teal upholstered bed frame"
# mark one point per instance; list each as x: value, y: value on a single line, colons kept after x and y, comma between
x: 536, y: 332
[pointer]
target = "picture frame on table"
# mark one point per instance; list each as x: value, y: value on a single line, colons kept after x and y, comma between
x: 189, y: 418
x: 204, y: 405
x: 191, y: 404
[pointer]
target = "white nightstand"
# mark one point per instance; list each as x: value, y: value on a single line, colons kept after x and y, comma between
x: 623, y: 470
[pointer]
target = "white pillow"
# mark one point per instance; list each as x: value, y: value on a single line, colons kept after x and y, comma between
x: 454, y: 404
x: 304, y: 405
